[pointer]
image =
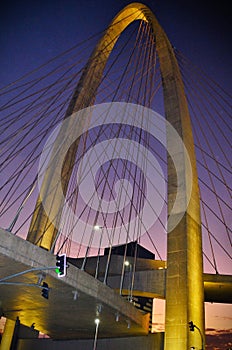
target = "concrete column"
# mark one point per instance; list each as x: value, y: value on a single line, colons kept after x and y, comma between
x: 7, y: 335
x: 184, y: 279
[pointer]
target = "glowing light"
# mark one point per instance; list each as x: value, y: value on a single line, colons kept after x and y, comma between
x: 97, y: 321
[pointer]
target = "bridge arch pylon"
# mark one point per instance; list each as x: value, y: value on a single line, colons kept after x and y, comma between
x: 184, y: 281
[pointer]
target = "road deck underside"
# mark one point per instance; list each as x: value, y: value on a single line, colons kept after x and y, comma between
x: 76, y: 300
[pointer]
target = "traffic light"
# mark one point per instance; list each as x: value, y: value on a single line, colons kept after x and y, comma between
x: 61, y: 265
x: 45, y: 290
x: 191, y: 326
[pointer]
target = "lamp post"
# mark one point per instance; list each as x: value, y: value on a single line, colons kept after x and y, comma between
x: 98, y: 228
x: 128, y: 264
x: 97, y: 321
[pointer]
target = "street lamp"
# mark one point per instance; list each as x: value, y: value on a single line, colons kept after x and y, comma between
x: 98, y: 228
x: 94, y: 228
x: 128, y: 264
x: 97, y: 321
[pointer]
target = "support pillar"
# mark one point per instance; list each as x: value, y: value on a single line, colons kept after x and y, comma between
x: 8, y: 335
x: 184, y: 279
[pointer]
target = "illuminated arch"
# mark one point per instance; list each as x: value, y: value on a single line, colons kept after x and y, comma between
x: 184, y: 259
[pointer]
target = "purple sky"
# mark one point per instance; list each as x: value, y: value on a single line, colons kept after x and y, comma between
x: 34, y: 31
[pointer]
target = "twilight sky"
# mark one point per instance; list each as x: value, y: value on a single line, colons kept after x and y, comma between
x: 34, y: 31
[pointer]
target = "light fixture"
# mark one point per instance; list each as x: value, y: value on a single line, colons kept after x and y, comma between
x: 98, y: 309
x: 117, y: 317
x: 97, y: 321
x: 75, y: 294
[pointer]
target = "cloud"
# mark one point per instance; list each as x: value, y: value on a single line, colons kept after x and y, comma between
x: 224, y: 317
x: 218, y: 331
x: 218, y: 339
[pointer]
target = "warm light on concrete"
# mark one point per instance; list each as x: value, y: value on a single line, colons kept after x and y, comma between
x: 184, y: 279
x: 7, y: 335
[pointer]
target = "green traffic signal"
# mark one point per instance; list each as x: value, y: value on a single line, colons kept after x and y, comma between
x: 61, y: 265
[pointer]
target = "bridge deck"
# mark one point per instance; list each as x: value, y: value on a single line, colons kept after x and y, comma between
x: 61, y: 316
x: 150, y: 278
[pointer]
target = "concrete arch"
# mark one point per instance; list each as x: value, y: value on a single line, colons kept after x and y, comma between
x: 184, y: 281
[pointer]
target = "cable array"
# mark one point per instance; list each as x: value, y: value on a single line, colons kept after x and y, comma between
x: 37, y: 103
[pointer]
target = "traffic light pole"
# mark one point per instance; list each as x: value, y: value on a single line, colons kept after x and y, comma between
x: 45, y: 288
x: 60, y: 265
x: 191, y: 327
x: 23, y: 284
x: 27, y: 271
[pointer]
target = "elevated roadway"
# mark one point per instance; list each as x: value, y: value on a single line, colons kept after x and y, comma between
x: 77, y: 299
x: 74, y: 301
